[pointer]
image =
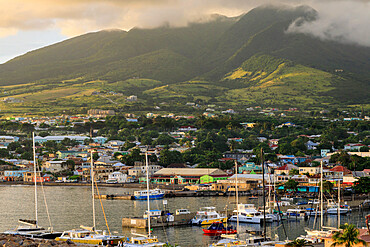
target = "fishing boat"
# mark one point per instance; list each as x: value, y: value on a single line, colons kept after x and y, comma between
x: 218, y: 228
x: 207, y: 216
x: 247, y: 213
x: 30, y: 228
x: 89, y: 235
x: 153, y: 194
x: 139, y: 239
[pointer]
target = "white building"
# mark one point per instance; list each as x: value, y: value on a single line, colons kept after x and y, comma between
x: 118, y: 177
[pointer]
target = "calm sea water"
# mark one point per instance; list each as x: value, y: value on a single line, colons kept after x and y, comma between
x: 70, y: 207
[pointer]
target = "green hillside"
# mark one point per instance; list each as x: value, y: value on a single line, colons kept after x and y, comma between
x: 248, y: 60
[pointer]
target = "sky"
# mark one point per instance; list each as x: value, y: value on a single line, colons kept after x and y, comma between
x: 26, y: 25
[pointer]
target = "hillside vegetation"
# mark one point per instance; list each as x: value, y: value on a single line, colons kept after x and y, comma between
x: 232, y: 62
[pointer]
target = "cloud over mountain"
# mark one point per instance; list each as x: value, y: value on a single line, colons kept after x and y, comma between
x: 345, y: 20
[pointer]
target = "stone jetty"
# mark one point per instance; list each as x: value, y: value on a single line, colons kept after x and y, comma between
x: 15, y: 241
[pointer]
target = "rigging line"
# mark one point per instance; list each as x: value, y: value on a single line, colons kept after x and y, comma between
x: 102, y: 207
x: 46, y: 205
x: 165, y: 233
x: 43, y: 193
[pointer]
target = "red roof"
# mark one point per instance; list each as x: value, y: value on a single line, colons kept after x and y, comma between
x: 282, y: 168
x: 340, y: 169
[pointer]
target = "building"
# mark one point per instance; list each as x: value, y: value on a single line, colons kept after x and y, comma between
x: 339, y: 171
x: 310, y: 170
x: 188, y: 175
x: 354, y: 147
x: 250, y: 167
x: 14, y: 175
x: 65, y: 154
x: 100, y: 113
x: 5, y: 140
x: 132, y: 98
x: 238, y: 156
x: 284, y: 170
x: 229, y: 185
x: 80, y: 139
x: 119, y: 177
x: 54, y: 166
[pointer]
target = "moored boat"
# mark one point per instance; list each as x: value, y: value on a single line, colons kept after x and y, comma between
x: 88, y: 236
x: 247, y: 213
x: 207, y: 216
x: 218, y: 228
x: 153, y: 194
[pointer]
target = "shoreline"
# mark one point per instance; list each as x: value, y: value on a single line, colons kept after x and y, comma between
x: 124, y: 185
x: 8, y: 240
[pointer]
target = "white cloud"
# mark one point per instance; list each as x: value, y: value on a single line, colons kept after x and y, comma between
x: 344, y: 20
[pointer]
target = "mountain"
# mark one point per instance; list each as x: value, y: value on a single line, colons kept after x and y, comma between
x: 246, y: 60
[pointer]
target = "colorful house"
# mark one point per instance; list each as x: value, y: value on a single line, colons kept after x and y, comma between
x: 188, y: 175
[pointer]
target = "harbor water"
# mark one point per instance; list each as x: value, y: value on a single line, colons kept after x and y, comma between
x: 71, y: 206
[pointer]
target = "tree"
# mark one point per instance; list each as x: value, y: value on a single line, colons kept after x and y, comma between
x: 164, y: 139
x: 291, y: 185
x: 299, y: 243
x: 95, y: 156
x: 347, y: 237
x: 168, y: 157
x: 326, y: 186
x: 362, y: 185
x: 293, y: 172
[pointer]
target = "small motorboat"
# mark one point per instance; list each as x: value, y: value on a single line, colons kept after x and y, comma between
x: 218, y: 228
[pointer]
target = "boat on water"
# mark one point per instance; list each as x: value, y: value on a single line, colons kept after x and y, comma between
x: 342, y: 209
x: 313, y: 202
x: 30, y: 228
x: 89, y: 235
x: 296, y: 213
x: 314, y: 211
x: 142, y: 240
x: 247, y: 213
x: 153, y: 194
x: 218, y: 228
x: 145, y: 240
x: 207, y: 216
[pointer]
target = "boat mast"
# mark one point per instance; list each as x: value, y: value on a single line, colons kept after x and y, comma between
x: 237, y: 198
x: 264, y: 199
x: 321, y: 199
x: 147, y: 188
x: 92, y: 187
x: 34, y: 174
x: 338, y: 204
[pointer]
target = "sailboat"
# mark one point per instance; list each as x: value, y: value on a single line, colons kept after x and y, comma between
x: 139, y: 239
x: 231, y: 240
x: 315, y: 236
x: 89, y: 235
x: 30, y: 228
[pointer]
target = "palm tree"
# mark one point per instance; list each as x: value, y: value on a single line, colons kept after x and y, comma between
x: 347, y: 237
x: 299, y: 243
